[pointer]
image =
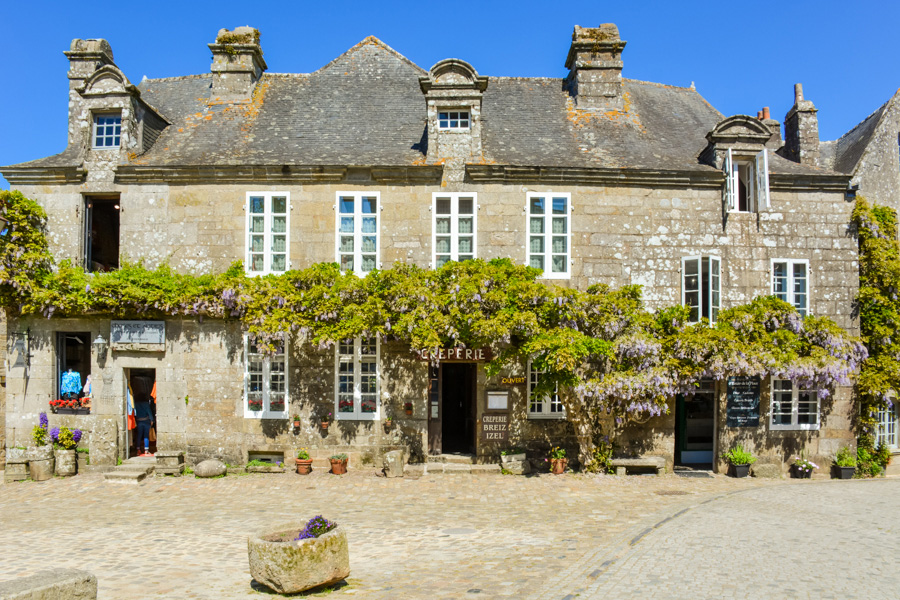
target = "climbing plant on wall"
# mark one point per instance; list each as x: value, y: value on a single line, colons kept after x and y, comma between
x: 617, y: 360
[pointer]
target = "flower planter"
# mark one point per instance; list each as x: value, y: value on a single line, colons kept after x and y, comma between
x: 738, y: 470
x: 508, y: 458
x: 797, y: 473
x: 297, y: 424
x: 265, y: 469
x: 338, y: 467
x: 842, y: 472
x: 65, y: 463
x: 558, y: 465
x: 408, y: 411
x: 304, y: 467
x: 72, y: 411
x: 289, y: 566
x: 325, y: 424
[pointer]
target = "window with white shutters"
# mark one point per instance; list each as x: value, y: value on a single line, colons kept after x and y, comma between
x: 268, y: 227
x: 454, y: 227
x: 746, y: 182
x: 790, y: 282
x: 701, y: 287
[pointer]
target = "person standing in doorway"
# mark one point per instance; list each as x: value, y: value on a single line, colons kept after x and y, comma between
x: 144, y: 415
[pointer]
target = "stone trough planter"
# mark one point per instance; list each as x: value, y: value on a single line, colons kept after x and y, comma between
x: 265, y: 469
x: 288, y: 566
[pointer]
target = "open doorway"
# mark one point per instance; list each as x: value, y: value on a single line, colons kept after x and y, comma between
x: 458, y: 407
x: 142, y: 395
x: 695, y: 429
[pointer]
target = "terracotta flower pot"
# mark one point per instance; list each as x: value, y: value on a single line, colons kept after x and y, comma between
x: 558, y: 465
x: 325, y: 424
x: 304, y: 466
x: 338, y: 467
x: 409, y: 411
x: 296, y: 424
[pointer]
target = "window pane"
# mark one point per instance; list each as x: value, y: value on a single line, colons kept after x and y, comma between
x: 279, y: 205
x: 559, y: 244
x: 537, y: 244
x: 257, y: 224
x: 368, y: 243
x: 559, y: 206
x: 442, y: 245
x: 257, y: 262
x: 537, y: 262
x: 466, y: 206
x: 537, y: 225
x: 346, y: 349
x: 279, y: 224
x: 537, y: 206
x: 442, y: 206
x: 279, y: 243
x: 442, y: 225
x: 779, y: 281
x: 368, y: 263
x: 559, y: 264
x: 463, y: 257
x: 346, y: 224
x: 279, y: 262
x: 441, y: 260
x: 346, y: 262
x: 465, y: 225
x: 346, y: 243
x: 257, y: 243
x: 369, y: 225
x: 369, y: 205
x: 346, y: 204
x: 559, y: 225
x: 257, y: 204
x: 465, y: 245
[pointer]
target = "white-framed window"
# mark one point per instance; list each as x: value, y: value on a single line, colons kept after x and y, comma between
x: 356, y: 379
x: 790, y: 282
x: 746, y: 183
x: 886, y: 426
x: 357, y: 247
x: 268, y: 227
x: 701, y: 287
x: 548, y: 227
x: 453, y: 119
x: 542, y: 407
x: 454, y: 226
x: 107, y: 130
x: 793, y: 407
x: 265, y: 383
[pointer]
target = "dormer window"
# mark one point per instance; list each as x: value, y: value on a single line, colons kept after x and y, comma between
x: 746, y: 183
x: 457, y: 119
x: 107, y: 130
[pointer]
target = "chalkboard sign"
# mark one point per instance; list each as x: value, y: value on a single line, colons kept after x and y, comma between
x: 742, y: 402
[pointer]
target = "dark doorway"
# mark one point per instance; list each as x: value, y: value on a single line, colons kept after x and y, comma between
x: 73, y: 360
x: 142, y: 387
x: 458, y: 407
x: 101, y: 234
x: 695, y: 426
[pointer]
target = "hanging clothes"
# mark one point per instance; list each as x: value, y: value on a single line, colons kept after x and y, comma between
x: 86, y: 391
x: 153, y: 392
x: 70, y: 383
x: 129, y: 407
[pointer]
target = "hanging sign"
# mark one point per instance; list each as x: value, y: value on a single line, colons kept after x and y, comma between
x: 459, y: 353
x: 512, y: 381
x: 138, y: 335
x: 742, y: 402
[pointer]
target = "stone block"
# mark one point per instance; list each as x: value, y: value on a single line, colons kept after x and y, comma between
x: 104, y: 443
x: 288, y: 566
x: 416, y: 470
x: 15, y: 472
x: 65, y: 463
x: 16, y: 455
x: 766, y: 470
x: 393, y: 463
x: 169, y: 459
x: 58, y: 584
x: 518, y: 467
x: 210, y: 468
x: 40, y: 470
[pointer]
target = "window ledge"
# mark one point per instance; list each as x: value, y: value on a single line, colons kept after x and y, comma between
x: 794, y: 427
x: 541, y: 417
x: 358, y: 417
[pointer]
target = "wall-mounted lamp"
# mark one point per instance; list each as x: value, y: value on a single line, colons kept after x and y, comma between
x: 100, y: 345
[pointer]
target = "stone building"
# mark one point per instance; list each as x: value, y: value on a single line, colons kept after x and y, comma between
x: 371, y: 160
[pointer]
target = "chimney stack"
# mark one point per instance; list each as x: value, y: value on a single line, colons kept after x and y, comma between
x: 595, y: 67
x: 85, y: 57
x: 801, y: 131
x: 237, y: 63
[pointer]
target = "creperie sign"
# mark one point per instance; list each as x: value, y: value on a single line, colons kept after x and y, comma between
x: 459, y: 353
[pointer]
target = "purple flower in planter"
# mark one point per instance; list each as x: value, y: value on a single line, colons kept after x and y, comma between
x: 54, y: 434
x: 316, y: 526
x: 76, y: 435
x: 44, y: 421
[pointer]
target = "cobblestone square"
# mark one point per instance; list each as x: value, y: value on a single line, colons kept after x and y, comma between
x: 468, y: 536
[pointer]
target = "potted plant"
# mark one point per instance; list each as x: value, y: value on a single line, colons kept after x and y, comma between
x: 64, y: 441
x: 299, y: 557
x: 304, y: 462
x: 326, y: 420
x: 296, y: 421
x: 739, y: 461
x: 558, y: 460
x: 338, y: 463
x: 388, y: 423
x: 844, y: 464
x: 802, y: 468
x: 513, y: 454
x: 407, y: 407
x: 255, y: 404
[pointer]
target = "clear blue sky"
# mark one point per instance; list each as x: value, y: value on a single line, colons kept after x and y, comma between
x: 844, y: 53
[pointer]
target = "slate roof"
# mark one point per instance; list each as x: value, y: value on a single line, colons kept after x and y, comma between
x: 850, y: 147
x: 366, y: 108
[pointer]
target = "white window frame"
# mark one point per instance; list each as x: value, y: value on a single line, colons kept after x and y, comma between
x: 548, y: 235
x: 459, y: 119
x: 757, y: 177
x: 790, y: 296
x: 268, y: 232
x: 795, y: 424
x: 266, y: 413
x: 886, y: 426
x: 550, y: 405
x: 116, y: 136
x: 454, y: 225
x: 356, y: 360
x: 357, y: 234
x: 714, y: 307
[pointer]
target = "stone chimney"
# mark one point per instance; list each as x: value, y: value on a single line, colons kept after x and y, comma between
x: 801, y: 131
x: 237, y: 63
x: 774, y: 126
x: 85, y: 57
x: 595, y: 67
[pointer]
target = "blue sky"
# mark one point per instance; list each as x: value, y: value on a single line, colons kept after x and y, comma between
x: 844, y: 53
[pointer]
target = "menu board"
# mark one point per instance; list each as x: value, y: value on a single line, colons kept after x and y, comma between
x: 742, y: 402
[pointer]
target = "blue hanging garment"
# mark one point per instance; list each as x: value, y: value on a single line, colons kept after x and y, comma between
x: 71, y: 383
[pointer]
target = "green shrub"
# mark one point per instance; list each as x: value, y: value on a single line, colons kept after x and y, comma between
x: 739, y: 456
x: 845, y: 458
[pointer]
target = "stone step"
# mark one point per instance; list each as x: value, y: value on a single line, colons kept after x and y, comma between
x: 436, y: 468
x: 133, y: 476
x: 459, y: 459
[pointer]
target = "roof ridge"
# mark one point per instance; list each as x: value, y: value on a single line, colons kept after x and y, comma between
x: 372, y: 40
x: 176, y: 78
x: 662, y: 85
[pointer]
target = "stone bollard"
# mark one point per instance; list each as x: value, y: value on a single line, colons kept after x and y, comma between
x: 16, y: 465
x: 65, y: 463
x: 393, y: 463
x: 40, y: 463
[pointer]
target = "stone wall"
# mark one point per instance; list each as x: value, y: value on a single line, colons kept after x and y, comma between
x: 878, y: 171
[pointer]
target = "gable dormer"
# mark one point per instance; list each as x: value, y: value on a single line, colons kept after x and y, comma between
x: 453, y: 92
x: 737, y: 145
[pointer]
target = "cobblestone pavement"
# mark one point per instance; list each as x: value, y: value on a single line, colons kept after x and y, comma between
x: 456, y: 536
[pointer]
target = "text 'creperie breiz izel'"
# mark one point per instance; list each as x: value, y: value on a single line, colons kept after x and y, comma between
x: 458, y: 353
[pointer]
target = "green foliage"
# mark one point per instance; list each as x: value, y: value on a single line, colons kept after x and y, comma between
x: 601, y: 458
x: 260, y: 463
x: 845, y: 457
x: 303, y: 454
x: 512, y: 451
x: 39, y: 435
x: 739, y: 456
x: 867, y: 464
x: 556, y: 452
x: 340, y: 456
x: 65, y: 439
